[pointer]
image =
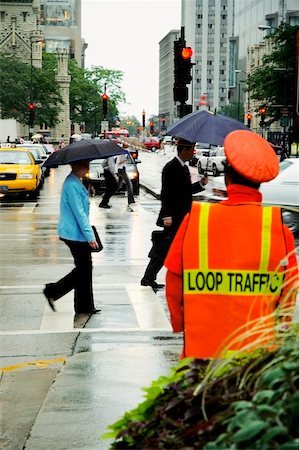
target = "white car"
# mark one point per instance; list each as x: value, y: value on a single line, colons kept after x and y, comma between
x: 210, y: 160
x: 282, y: 191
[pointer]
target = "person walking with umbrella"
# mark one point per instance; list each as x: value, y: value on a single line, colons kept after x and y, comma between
x: 76, y: 232
x: 176, y: 200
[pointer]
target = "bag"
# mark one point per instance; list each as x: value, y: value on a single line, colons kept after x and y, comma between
x: 97, y: 237
x: 161, y: 243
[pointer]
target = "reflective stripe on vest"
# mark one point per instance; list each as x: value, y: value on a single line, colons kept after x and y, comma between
x: 233, y: 282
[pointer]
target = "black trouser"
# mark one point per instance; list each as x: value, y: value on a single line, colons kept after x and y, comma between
x: 158, y: 254
x: 79, y: 279
x: 111, y: 186
x: 123, y: 178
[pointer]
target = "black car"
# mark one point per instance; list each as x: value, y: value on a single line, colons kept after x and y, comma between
x: 95, y: 177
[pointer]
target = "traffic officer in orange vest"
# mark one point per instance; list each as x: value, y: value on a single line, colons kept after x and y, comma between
x: 232, y: 263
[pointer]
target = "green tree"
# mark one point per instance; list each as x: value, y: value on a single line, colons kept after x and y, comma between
x: 273, y: 82
x: 17, y: 88
x: 87, y: 86
x: 232, y: 109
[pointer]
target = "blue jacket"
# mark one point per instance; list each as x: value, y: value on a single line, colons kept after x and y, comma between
x: 74, y: 223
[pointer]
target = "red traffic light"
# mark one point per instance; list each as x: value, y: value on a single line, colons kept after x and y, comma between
x: 31, y: 105
x: 249, y: 116
x: 262, y: 110
x: 105, y: 97
x: 187, y: 52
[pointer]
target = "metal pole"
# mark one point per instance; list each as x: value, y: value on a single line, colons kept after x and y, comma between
x: 239, y: 98
x: 30, y: 92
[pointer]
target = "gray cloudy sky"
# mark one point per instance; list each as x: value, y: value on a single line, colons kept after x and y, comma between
x: 124, y: 35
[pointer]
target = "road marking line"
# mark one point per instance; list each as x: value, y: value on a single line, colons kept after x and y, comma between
x: 149, y: 312
x: 62, y: 320
x: 40, y: 364
x: 83, y: 330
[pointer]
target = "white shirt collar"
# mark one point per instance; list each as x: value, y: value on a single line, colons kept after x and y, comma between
x: 181, y: 161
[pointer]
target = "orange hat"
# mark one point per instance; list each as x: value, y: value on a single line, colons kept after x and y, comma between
x: 251, y: 156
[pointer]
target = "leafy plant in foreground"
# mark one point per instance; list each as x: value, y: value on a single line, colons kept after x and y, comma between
x: 248, y: 402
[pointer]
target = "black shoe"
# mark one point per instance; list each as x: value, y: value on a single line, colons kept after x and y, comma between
x: 104, y: 206
x: 95, y: 311
x: 50, y: 300
x: 152, y: 284
x: 88, y: 313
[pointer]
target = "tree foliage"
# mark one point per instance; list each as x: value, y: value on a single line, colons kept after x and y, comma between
x: 17, y: 87
x: 87, y: 86
x: 273, y: 82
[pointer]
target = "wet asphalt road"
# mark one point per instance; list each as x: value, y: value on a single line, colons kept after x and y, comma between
x: 63, y: 380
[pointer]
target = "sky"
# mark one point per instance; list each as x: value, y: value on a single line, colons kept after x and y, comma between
x: 124, y: 35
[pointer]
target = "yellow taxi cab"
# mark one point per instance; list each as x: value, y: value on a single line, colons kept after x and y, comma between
x: 20, y: 173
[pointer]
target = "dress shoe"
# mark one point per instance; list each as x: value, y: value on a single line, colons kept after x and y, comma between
x: 104, y: 206
x: 49, y: 299
x: 152, y: 284
x: 95, y: 311
x: 88, y: 313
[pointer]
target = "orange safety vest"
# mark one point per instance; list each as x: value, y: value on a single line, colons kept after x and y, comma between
x: 233, y: 273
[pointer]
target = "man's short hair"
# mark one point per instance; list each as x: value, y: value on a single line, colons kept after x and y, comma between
x: 182, y: 143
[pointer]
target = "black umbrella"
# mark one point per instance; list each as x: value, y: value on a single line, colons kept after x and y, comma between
x: 84, y: 149
x: 204, y: 126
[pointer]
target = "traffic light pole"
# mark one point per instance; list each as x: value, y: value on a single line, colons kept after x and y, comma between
x: 182, y: 73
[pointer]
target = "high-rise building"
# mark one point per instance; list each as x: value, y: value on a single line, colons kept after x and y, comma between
x: 208, y: 25
x: 60, y: 21
x: 167, y: 106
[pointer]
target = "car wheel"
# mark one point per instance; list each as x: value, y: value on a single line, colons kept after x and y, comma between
x: 153, y: 149
x: 215, y: 170
x: 199, y: 168
x: 34, y: 194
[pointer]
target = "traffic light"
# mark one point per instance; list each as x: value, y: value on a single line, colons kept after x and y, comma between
x: 152, y: 127
x: 143, y: 119
x: 262, y: 113
x: 105, y: 99
x: 31, y: 107
x: 187, y: 64
x: 182, y: 70
x: 249, y: 117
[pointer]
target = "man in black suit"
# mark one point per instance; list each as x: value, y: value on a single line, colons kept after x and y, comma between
x: 176, y: 199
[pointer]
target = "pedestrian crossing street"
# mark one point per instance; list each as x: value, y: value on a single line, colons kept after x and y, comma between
x: 124, y: 308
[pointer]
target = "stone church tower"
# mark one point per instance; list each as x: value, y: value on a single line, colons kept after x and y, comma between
x: 64, y: 80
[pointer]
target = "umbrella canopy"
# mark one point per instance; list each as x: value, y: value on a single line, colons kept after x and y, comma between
x: 85, y: 149
x: 204, y: 126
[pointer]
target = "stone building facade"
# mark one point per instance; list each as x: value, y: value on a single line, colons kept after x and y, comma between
x: 27, y: 26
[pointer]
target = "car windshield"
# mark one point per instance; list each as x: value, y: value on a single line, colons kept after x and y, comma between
x: 14, y: 157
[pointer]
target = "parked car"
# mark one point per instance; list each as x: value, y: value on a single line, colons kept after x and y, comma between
x: 152, y: 144
x: 39, y: 151
x: 211, y: 160
x: 95, y: 177
x: 19, y: 172
x: 282, y: 191
x: 199, y: 148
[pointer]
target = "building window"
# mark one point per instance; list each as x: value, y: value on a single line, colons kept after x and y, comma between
x: 2, y: 16
x: 24, y: 16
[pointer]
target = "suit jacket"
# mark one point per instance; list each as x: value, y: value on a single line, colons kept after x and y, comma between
x: 176, y: 193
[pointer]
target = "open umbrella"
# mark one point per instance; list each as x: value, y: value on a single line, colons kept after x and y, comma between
x: 85, y: 149
x: 204, y: 126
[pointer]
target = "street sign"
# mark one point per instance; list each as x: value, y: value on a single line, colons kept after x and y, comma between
x: 104, y: 126
x: 284, y: 121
